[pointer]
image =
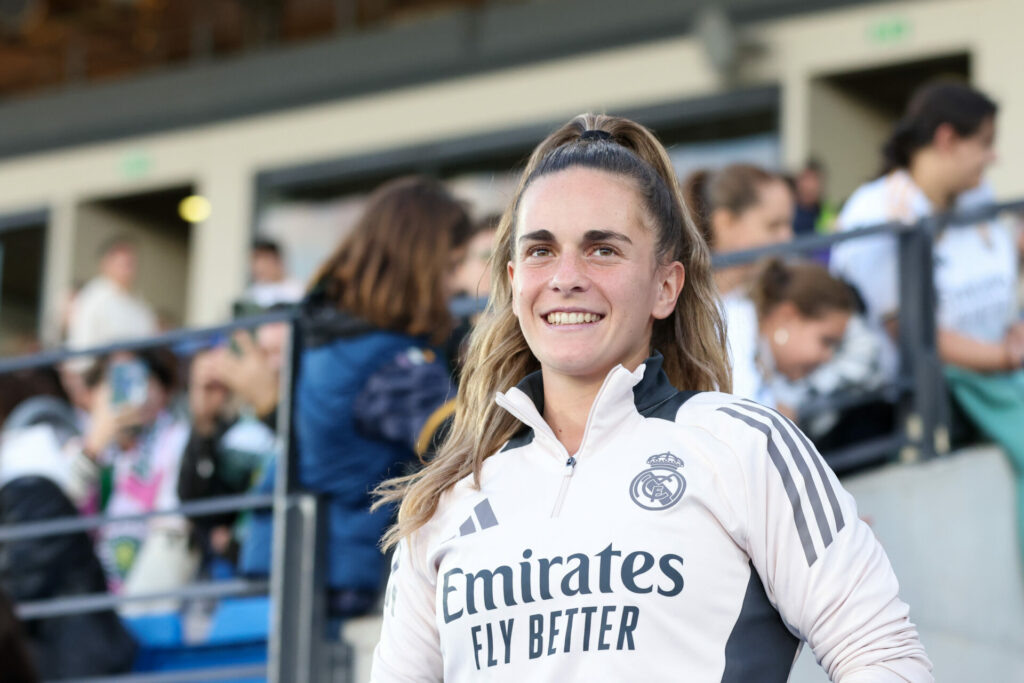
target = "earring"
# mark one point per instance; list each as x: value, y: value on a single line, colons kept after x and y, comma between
x: 781, y: 336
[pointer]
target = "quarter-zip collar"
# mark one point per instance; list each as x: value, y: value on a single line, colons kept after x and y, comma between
x: 622, y: 395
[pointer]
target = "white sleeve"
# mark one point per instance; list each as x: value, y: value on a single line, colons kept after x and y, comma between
x: 820, y: 564
x: 409, y: 648
x: 82, y: 321
x: 869, y: 263
x: 741, y: 331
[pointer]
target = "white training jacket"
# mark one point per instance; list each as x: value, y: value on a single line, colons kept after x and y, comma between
x: 694, y: 536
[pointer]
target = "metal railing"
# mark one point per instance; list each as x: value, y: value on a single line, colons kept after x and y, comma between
x: 918, y: 392
x: 295, y: 583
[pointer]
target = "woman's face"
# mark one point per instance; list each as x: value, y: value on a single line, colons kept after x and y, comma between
x: 473, y: 275
x: 970, y: 155
x: 769, y: 221
x: 800, y: 344
x: 586, y: 285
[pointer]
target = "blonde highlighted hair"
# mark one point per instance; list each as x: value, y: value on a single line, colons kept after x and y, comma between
x: 692, y: 339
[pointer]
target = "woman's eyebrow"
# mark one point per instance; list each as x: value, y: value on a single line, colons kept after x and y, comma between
x: 537, y: 236
x: 591, y: 236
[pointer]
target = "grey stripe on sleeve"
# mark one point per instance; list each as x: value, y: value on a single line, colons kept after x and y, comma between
x: 787, y: 483
x: 801, y: 464
x: 816, y: 458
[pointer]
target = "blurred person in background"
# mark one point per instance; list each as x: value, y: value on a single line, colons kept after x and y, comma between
x: 17, y: 666
x: 745, y: 207
x: 814, y: 213
x: 384, y: 292
x: 472, y: 277
x: 233, y: 398
x: 935, y: 161
x: 270, y: 282
x: 127, y: 463
x: 471, y: 283
x: 107, y: 308
x: 39, y: 427
x: 736, y: 208
x: 411, y: 400
x: 792, y: 321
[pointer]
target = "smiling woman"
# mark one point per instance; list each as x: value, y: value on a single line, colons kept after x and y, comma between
x: 595, y: 477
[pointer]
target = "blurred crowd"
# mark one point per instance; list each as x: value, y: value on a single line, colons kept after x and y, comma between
x: 380, y: 329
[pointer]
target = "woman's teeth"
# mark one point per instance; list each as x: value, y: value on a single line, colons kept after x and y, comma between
x: 572, y: 318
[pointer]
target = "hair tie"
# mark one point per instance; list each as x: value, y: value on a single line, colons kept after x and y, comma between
x: 595, y: 134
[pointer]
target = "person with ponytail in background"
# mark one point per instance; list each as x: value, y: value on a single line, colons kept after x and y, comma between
x: 599, y: 511
x: 791, y: 323
x: 934, y: 162
x: 739, y: 207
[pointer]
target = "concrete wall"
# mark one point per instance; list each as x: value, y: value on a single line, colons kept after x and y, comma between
x: 835, y: 118
x: 949, y: 529
x: 222, y: 160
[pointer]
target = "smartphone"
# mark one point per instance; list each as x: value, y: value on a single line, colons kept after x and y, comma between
x: 129, y: 384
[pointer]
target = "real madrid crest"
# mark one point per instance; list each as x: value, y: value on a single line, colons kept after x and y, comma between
x: 660, y: 486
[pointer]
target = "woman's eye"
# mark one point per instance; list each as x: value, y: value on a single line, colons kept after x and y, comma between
x: 538, y: 251
x: 603, y: 251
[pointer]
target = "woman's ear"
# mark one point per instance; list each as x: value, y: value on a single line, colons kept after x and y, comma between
x: 945, y: 137
x: 670, y: 286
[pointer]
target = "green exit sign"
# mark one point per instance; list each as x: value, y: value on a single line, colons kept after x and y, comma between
x: 135, y: 164
x: 890, y: 30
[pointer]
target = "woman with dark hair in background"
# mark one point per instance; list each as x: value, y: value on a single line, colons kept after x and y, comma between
x: 934, y: 162
x: 383, y: 292
x: 791, y: 323
x: 599, y: 511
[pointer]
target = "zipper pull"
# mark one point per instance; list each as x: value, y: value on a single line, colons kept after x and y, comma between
x: 570, y: 467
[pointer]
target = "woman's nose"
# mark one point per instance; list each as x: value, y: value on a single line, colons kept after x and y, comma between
x: 569, y: 274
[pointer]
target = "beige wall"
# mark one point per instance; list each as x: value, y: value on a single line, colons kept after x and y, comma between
x: 222, y: 159
x: 846, y: 132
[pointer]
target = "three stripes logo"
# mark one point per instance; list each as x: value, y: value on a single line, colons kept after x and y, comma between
x: 482, y: 518
x: 784, y: 437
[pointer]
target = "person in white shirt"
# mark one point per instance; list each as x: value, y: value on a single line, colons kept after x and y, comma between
x: 107, y: 309
x: 270, y: 283
x: 934, y: 162
x: 791, y: 322
x: 587, y: 520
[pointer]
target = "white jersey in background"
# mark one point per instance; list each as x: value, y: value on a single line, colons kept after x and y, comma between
x: 975, y: 268
x: 746, y: 353
x: 693, y: 536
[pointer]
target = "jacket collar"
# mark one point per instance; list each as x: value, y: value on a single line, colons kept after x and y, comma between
x: 623, y: 393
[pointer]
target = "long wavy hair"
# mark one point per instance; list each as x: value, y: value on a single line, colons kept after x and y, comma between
x: 692, y: 339
x: 391, y: 268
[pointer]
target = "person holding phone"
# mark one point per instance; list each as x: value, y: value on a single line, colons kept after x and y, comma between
x: 599, y: 510
x: 133, y: 436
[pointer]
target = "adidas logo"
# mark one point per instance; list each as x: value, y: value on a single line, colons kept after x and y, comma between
x: 482, y: 518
